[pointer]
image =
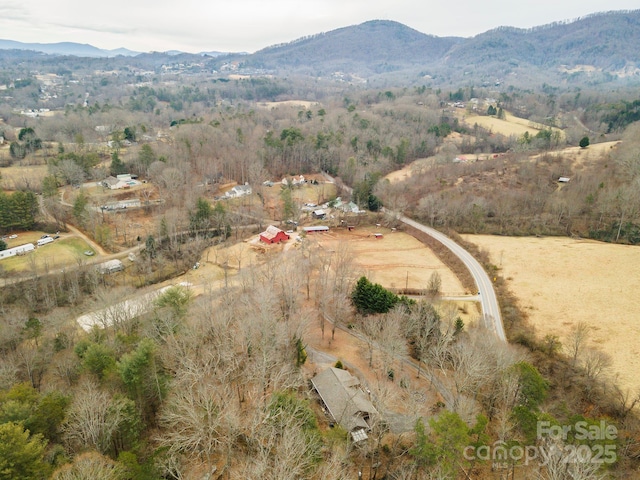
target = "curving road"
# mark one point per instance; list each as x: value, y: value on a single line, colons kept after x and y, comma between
x: 490, y: 309
x: 488, y: 300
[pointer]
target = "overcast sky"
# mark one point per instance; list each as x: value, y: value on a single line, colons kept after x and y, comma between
x: 249, y: 25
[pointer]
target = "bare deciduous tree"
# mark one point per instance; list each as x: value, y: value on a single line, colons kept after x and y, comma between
x: 93, y: 418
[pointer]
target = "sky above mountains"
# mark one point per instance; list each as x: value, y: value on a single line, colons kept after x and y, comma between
x: 249, y: 25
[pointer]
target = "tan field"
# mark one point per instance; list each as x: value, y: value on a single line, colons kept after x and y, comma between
x: 16, y: 175
x: 503, y: 127
x: 397, y: 260
x: 289, y: 103
x: 578, y: 156
x: 581, y: 156
x: 561, y: 281
x: 511, y: 125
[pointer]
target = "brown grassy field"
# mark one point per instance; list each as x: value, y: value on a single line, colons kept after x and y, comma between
x: 397, y: 260
x: 578, y: 156
x: 289, y: 103
x: 16, y: 175
x: 561, y: 281
x: 510, y: 125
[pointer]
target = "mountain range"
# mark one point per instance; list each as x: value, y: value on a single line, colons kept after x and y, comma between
x: 606, y: 42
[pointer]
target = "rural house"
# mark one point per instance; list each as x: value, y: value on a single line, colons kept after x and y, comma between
x: 273, y: 235
x: 345, y: 401
x: 239, y: 191
x: 124, y: 180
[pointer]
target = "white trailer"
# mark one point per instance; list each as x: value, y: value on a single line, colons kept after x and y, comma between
x: 19, y: 250
x: 44, y: 241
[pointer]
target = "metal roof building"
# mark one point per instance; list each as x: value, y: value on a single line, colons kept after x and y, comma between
x: 345, y: 400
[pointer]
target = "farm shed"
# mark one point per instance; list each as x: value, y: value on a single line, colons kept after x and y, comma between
x: 315, y: 228
x: 111, y: 266
x: 346, y: 402
x: 273, y: 235
x: 319, y: 213
x: 19, y: 250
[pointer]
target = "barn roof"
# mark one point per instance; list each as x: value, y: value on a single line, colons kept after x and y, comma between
x: 271, y: 232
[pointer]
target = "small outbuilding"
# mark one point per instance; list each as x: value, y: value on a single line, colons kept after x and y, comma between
x: 273, y: 235
x: 111, y: 266
x: 319, y: 213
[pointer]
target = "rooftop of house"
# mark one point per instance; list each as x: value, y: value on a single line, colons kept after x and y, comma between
x: 341, y: 393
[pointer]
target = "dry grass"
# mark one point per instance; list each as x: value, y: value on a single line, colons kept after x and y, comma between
x: 397, y: 260
x: 561, y: 281
x: 510, y: 125
x: 17, y: 175
x: 288, y: 103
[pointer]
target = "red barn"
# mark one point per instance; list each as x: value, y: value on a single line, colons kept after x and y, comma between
x: 273, y: 235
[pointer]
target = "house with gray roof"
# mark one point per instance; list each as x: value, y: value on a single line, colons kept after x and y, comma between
x: 345, y: 400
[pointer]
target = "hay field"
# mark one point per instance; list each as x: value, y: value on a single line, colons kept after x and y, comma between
x: 561, y: 281
x: 17, y: 175
x: 511, y: 125
x: 397, y: 260
x: 289, y: 103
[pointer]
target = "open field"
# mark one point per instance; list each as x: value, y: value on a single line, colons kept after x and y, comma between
x: 397, y: 260
x: 581, y: 156
x: 561, y: 281
x: 510, y: 125
x: 16, y: 175
x: 289, y: 103
x: 578, y: 157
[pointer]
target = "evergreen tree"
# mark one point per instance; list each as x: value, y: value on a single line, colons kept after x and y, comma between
x: 584, y: 142
x: 21, y: 455
x: 79, y: 207
x: 371, y: 298
x: 117, y: 166
x: 200, y: 219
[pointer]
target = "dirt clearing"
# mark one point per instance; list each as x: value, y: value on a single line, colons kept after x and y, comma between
x: 561, y: 281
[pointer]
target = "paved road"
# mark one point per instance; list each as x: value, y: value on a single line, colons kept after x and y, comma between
x: 491, y: 316
x: 490, y: 308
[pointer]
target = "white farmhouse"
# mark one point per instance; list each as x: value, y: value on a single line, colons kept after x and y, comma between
x: 239, y: 191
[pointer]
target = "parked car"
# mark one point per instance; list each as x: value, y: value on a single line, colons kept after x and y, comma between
x: 89, y: 253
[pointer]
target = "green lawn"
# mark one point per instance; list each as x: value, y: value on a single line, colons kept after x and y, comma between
x: 57, y: 255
